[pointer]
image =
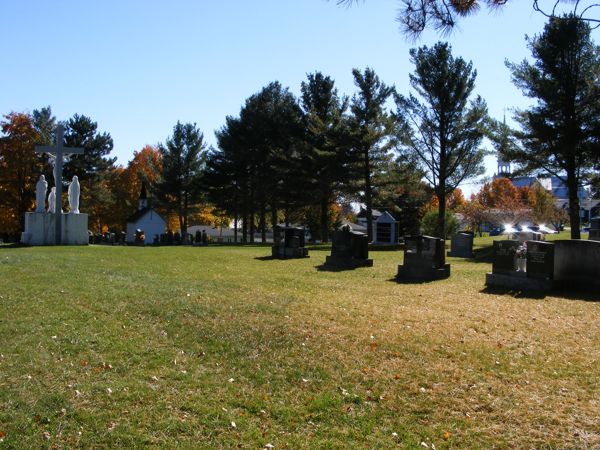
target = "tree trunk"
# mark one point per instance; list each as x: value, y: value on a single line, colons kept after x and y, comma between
x: 263, y: 222
x: 245, y: 226
x: 252, y: 228
x: 235, y: 226
x: 273, y: 216
x: 368, y: 197
x: 185, y: 214
x: 325, y: 218
x: 441, y: 222
x: 574, y: 218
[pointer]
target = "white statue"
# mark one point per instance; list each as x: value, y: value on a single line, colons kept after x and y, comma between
x: 52, y: 201
x: 40, y: 194
x: 74, y: 196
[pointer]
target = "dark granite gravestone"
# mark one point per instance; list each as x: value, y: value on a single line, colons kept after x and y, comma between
x: 577, y: 264
x: 461, y: 245
x: 503, y: 256
x: 288, y: 243
x: 424, y: 259
x: 540, y: 260
x: 594, y: 229
x: 505, y: 276
x: 349, y: 249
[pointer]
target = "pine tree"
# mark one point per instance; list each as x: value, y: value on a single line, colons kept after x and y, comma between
x: 371, y: 139
x: 183, y: 157
x: 559, y: 135
x: 442, y: 130
x: 325, y: 130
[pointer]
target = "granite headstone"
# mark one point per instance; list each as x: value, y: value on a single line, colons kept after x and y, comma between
x: 349, y: 249
x: 461, y: 245
x: 288, y: 242
x: 424, y: 259
x: 540, y: 260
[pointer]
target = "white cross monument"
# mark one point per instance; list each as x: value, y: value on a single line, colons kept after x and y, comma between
x: 59, y: 151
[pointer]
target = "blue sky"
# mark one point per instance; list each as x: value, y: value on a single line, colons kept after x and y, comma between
x: 136, y: 67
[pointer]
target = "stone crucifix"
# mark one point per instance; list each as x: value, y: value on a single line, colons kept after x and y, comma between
x: 59, y: 151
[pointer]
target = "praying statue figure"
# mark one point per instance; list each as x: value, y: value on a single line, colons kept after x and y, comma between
x: 74, y: 196
x: 52, y: 201
x: 40, y: 194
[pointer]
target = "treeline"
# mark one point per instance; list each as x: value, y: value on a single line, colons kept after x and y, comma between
x: 307, y: 159
x: 283, y: 159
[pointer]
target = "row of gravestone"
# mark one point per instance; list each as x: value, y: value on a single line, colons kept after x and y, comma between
x: 423, y: 255
x: 547, y: 265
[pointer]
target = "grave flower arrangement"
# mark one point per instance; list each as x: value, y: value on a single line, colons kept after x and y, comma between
x: 521, y: 252
x: 521, y: 261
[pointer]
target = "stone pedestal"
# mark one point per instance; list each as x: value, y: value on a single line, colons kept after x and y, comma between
x: 40, y: 229
x: 517, y: 281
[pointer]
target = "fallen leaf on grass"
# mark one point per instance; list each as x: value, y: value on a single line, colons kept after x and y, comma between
x: 373, y: 346
x: 446, y: 435
x: 46, y: 435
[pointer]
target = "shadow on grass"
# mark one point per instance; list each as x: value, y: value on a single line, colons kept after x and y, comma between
x: 326, y: 268
x: 538, y: 295
x: 13, y: 245
x: 267, y: 258
x: 410, y: 281
x: 568, y: 294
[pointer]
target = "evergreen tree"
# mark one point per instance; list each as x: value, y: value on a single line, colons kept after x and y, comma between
x: 371, y: 138
x: 415, y: 16
x: 183, y: 158
x: 273, y: 122
x: 402, y: 192
x: 93, y: 167
x: 560, y: 134
x: 325, y: 131
x: 226, y: 177
x: 45, y: 124
x: 442, y: 131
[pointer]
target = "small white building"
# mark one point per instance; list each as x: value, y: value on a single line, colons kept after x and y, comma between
x: 145, y: 219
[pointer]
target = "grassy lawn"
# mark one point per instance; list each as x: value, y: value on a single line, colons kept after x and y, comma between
x: 217, y: 348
